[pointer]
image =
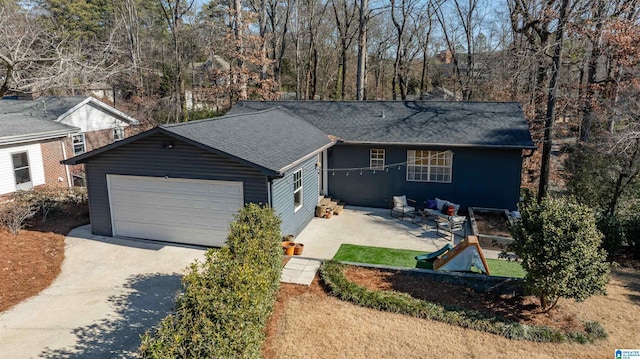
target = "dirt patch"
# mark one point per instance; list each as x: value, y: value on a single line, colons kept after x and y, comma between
x: 30, y: 261
x: 492, y: 224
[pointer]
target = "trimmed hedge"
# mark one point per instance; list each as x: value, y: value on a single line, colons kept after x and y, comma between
x: 397, y: 302
x: 228, y: 298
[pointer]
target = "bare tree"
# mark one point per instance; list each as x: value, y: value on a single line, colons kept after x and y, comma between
x: 551, y: 100
x: 345, y: 16
x: 363, y: 21
x: 174, y: 12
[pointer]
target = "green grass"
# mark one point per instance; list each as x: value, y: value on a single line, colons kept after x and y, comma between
x: 406, y: 258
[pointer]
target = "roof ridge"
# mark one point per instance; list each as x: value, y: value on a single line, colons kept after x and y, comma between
x: 170, y: 125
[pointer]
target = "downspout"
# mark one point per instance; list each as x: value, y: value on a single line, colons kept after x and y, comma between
x: 269, y: 193
x: 325, y: 174
x: 66, y: 167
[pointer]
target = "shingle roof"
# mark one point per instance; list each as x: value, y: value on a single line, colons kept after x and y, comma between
x: 44, y: 107
x: 23, y: 120
x: 274, y: 139
x: 472, y: 124
x: 14, y: 129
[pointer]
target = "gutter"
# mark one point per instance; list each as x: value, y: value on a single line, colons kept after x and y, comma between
x: 282, y: 171
x: 448, y: 145
x: 31, y: 138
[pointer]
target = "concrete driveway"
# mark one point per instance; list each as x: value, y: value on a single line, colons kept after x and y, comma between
x: 110, y: 291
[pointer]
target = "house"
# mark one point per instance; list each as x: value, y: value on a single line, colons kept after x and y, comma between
x: 36, y: 134
x: 183, y: 183
x: 466, y: 152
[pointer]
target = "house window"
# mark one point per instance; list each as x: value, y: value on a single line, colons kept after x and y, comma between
x: 118, y: 134
x: 78, y: 143
x: 376, y: 161
x: 21, y: 170
x: 297, y: 189
x: 429, y: 166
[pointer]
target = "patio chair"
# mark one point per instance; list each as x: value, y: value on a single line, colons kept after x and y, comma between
x: 401, y: 207
x: 452, y: 225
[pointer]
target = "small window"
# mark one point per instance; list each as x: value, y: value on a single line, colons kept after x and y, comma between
x: 118, y: 134
x: 78, y: 144
x: 297, y: 189
x: 21, y: 170
x: 429, y: 166
x: 376, y: 161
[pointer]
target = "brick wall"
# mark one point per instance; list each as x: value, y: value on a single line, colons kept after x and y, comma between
x: 54, y: 172
x: 92, y: 140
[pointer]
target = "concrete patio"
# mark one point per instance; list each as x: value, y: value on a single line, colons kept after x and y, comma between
x: 372, y: 227
x: 363, y: 226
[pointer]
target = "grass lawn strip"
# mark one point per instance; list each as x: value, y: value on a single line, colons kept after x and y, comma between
x: 406, y: 258
x: 392, y: 301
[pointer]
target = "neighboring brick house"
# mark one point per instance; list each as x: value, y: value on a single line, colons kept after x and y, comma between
x: 36, y: 134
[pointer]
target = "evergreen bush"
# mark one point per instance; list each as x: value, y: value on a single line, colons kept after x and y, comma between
x: 559, y: 244
x: 228, y: 298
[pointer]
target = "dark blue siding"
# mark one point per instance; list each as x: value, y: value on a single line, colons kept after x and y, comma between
x: 481, y: 177
x: 147, y: 157
x: 293, y: 222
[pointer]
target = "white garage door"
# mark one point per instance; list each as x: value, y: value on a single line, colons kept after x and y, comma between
x: 174, y: 210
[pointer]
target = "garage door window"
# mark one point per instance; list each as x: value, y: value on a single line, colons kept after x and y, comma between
x: 297, y: 189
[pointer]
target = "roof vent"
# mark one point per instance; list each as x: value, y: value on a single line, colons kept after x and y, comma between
x: 382, y: 115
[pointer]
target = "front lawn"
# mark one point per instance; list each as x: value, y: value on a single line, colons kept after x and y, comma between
x: 406, y: 258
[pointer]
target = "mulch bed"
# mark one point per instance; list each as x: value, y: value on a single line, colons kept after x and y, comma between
x: 492, y: 224
x: 30, y: 261
x: 523, y: 309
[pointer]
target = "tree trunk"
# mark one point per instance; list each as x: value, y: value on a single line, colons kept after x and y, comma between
x: 551, y: 103
x: 362, y: 50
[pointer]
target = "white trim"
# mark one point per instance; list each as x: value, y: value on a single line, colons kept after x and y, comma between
x: 431, y: 154
x: 113, y: 134
x: 84, y: 144
x: 325, y: 174
x: 299, y: 189
x: 371, y: 158
x: 103, y: 106
x: 25, y: 185
x: 66, y: 167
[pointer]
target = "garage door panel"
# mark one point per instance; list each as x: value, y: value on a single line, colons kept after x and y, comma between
x: 176, y: 210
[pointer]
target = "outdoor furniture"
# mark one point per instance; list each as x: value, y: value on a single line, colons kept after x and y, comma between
x: 401, y: 207
x: 451, y: 225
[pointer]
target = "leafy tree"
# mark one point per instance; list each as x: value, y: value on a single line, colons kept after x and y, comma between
x: 559, y: 244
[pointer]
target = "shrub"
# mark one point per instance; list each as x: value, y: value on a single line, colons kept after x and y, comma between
x: 391, y: 301
x: 612, y: 229
x: 632, y: 234
x: 14, y: 215
x: 228, y: 298
x: 558, y: 242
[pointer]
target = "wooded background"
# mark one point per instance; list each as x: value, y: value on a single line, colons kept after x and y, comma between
x: 573, y: 64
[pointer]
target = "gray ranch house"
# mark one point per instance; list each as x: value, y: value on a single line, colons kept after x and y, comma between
x: 183, y: 183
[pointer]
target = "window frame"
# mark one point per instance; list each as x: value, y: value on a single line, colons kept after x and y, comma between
x: 74, y: 144
x: 438, y: 167
x: 379, y: 156
x: 26, y: 184
x: 116, y: 130
x: 297, y: 190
